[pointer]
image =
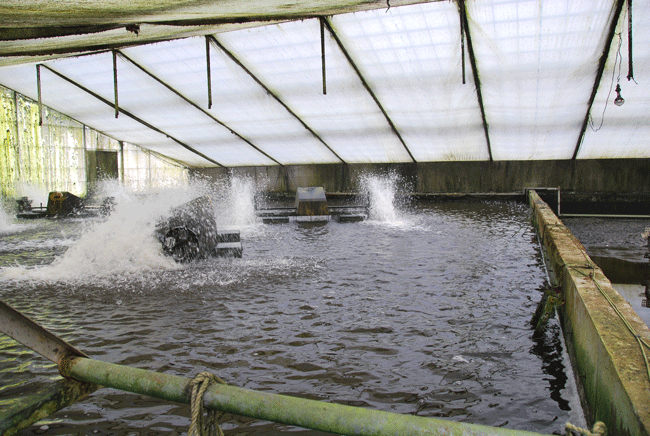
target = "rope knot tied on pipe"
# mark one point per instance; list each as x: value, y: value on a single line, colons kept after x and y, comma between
x: 599, y: 429
x: 208, y: 425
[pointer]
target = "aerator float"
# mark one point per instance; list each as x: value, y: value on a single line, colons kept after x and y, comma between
x: 190, y: 233
x: 311, y: 205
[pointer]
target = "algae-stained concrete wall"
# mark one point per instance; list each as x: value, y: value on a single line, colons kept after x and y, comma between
x: 45, y: 156
x: 608, y: 175
x: 603, y: 332
x: 35, y: 159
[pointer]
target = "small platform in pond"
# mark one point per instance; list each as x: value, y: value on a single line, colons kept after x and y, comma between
x: 350, y: 218
x: 311, y: 206
x: 311, y: 202
x: 229, y: 249
x: 32, y: 214
x: 228, y: 235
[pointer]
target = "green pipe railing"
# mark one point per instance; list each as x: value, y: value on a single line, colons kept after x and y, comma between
x: 301, y: 412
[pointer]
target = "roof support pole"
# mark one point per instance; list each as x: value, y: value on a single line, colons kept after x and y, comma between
x: 194, y: 105
x: 207, y: 61
x: 130, y: 115
x: 117, y: 106
x: 630, y: 65
x: 38, y: 90
x: 122, y: 171
x: 462, y: 45
x: 322, y: 52
x: 234, y: 58
x: 599, y: 73
x: 477, y: 81
x: 366, y: 85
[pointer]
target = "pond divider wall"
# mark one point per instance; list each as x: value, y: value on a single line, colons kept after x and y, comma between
x: 606, y: 351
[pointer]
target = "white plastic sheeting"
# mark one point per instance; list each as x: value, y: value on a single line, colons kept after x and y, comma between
x: 622, y: 132
x: 412, y: 58
x: 398, y: 98
x: 538, y: 66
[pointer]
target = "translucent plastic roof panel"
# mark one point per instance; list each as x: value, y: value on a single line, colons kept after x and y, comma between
x: 238, y: 101
x: 287, y: 57
x: 67, y: 98
x: 149, y: 100
x: 537, y: 63
x: 411, y: 56
x: 623, y: 131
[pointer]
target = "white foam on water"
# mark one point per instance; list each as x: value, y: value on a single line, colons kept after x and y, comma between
x: 8, y: 224
x: 122, y: 244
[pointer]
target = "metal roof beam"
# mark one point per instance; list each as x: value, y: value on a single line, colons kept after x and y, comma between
x: 477, y: 81
x: 599, y: 73
x: 366, y: 85
x: 218, y: 44
x: 194, y: 105
x: 129, y: 114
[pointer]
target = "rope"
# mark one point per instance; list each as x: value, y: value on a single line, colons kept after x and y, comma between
x: 642, y: 343
x: 598, y: 430
x: 199, y: 425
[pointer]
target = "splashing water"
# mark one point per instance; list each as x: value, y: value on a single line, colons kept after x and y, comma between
x: 6, y: 225
x: 381, y: 192
x: 122, y: 244
x: 238, y: 204
x: 37, y: 195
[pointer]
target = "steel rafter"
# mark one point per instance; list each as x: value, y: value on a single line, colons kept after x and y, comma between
x: 366, y: 85
x: 599, y: 73
x: 236, y: 60
x: 129, y: 114
x: 477, y: 81
x: 194, y: 105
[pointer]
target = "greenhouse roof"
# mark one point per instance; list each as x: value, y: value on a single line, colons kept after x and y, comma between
x: 242, y: 83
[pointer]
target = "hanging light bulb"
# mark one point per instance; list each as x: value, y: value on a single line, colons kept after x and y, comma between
x: 618, y: 101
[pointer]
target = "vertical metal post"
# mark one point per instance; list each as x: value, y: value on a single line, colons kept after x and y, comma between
x: 38, y: 89
x: 122, y: 160
x: 85, y: 153
x: 17, y: 158
x: 17, y: 121
x: 322, y: 52
x: 630, y: 71
x: 117, y: 106
x: 462, y: 42
x: 209, y: 72
x: 149, y: 169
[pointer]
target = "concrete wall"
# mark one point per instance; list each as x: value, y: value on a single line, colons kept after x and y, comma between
x: 607, y: 175
x: 37, y: 159
x: 602, y: 332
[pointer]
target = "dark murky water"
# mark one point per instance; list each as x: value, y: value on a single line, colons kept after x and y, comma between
x: 425, y: 314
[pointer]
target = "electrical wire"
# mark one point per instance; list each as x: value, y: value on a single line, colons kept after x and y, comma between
x: 617, y: 60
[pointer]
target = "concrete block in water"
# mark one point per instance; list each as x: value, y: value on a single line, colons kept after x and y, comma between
x: 229, y: 249
x: 311, y: 202
x: 311, y: 218
x: 276, y: 220
x: 228, y: 235
x: 350, y: 218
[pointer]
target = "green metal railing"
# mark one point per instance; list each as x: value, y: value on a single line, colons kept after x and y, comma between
x: 85, y: 375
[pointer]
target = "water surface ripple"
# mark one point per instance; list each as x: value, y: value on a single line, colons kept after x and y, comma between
x: 427, y: 315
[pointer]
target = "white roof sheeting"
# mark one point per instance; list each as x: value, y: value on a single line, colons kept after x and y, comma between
x: 394, y: 87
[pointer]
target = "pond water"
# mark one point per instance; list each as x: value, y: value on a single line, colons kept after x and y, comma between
x: 426, y: 312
